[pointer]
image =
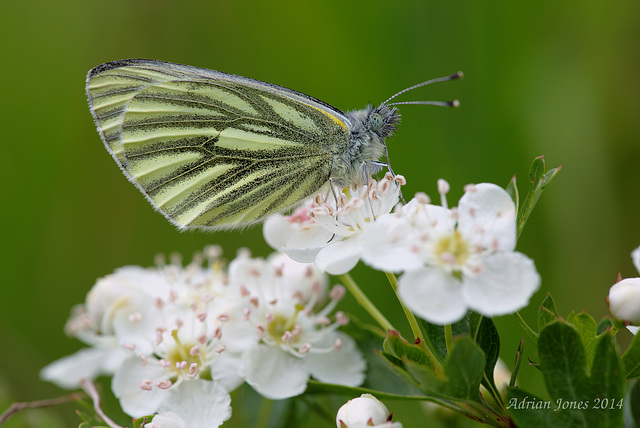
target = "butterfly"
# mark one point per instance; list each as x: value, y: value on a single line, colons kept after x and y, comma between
x: 212, y: 150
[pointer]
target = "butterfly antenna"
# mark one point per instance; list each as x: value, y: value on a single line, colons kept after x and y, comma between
x: 454, y: 103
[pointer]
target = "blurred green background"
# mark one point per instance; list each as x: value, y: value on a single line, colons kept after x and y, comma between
x: 550, y: 78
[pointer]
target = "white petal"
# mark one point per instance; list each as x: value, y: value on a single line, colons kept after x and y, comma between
x: 488, y: 208
x: 200, y: 403
x: 169, y: 420
x: 433, y: 295
x: 339, y: 257
x: 304, y: 245
x: 507, y: 283
x: 88, y: 363
x: 226, y: 371
x: 273, y: 373
x: 386, y: 244
x: 277, y: 230
x: 635, y: 256
x: 344, y: 366
x: 633, y: 329
x: 125, y: 385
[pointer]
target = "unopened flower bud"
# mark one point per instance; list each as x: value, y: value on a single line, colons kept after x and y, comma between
x: 624, y: 300
x: 365, y: 411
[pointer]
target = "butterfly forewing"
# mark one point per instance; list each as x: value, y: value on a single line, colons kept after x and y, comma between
x: 209, y: 149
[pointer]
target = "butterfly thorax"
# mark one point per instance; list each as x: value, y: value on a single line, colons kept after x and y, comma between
x: 368, y: 130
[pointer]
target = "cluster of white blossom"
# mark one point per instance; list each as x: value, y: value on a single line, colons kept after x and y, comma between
x: 178, y: 339
x: 452, y: 259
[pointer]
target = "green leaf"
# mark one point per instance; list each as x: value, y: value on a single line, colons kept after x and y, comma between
x: 604, y: 325
x: 631, y: 359
x: 632, y: 415
x: 539, y: 178
x: 547, y: 312
x: 434, y: 334
x: 382, y: 371
x: 578, y: 399
x: 403, y: 350
x: 463, y: 373
x: 485, y: 334
x: 587, y: 328
x: 512, y: 190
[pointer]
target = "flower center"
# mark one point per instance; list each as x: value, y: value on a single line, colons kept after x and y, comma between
x: 452, y: 250
x: 281, y: 328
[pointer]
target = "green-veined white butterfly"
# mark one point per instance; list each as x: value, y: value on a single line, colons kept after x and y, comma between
x: 213, y: 150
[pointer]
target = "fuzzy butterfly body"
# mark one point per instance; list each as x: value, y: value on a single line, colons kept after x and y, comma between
x: 212, y: 150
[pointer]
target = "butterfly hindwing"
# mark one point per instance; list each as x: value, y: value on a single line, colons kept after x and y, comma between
x: 209, y: 149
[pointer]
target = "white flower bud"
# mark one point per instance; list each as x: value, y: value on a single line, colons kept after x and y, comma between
x: 365, y: 411
x: 624, y: 300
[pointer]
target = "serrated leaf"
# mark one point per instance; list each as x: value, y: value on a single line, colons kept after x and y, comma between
x: 577, y: 394
x: 547, y: 312
x: 631, y: 359
x: 539, y: 178
x: 604, y: 325
x: 587, y: 328
x: 463, y: 373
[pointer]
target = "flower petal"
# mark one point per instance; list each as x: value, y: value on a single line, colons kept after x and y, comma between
x: 339, y: 257
x: 273, y: 373
x: 488, y: 208
x: 433, y: 295
x: 200, y: 403
x: 125, y: 385
x: 344, y: 366
x: 507, y: 283
x: 386, y: 244
x: 87, y: 363
x: 635, y: 256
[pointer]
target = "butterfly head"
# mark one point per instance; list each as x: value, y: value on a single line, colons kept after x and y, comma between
x: 383, y: 120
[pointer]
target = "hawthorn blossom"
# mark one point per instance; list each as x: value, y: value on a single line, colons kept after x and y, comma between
x: 365, y: 411
x: 294, y: 337
x: 624, y: 298
x: 455, y: 259
x: 328, y: 232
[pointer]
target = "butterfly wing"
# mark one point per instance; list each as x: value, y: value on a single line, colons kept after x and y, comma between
x: 213, y: 150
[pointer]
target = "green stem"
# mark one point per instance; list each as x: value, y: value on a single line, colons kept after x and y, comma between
x: 364, y: 301
x: 413, y: 322
x: 263, y: 413
x: 448, y: 337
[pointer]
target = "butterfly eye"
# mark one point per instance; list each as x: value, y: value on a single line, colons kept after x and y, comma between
x: 376, y: 121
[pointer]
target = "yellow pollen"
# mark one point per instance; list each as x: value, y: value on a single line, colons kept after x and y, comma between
x: 452, y: 250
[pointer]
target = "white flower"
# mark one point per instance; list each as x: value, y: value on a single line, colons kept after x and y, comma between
x: 624, y: 298
x: 455, y: 259
x: 108, y: 305
x: 201, y: 404
x: 328, y: 232
x: 291, y: 340
x: 365, y: 411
